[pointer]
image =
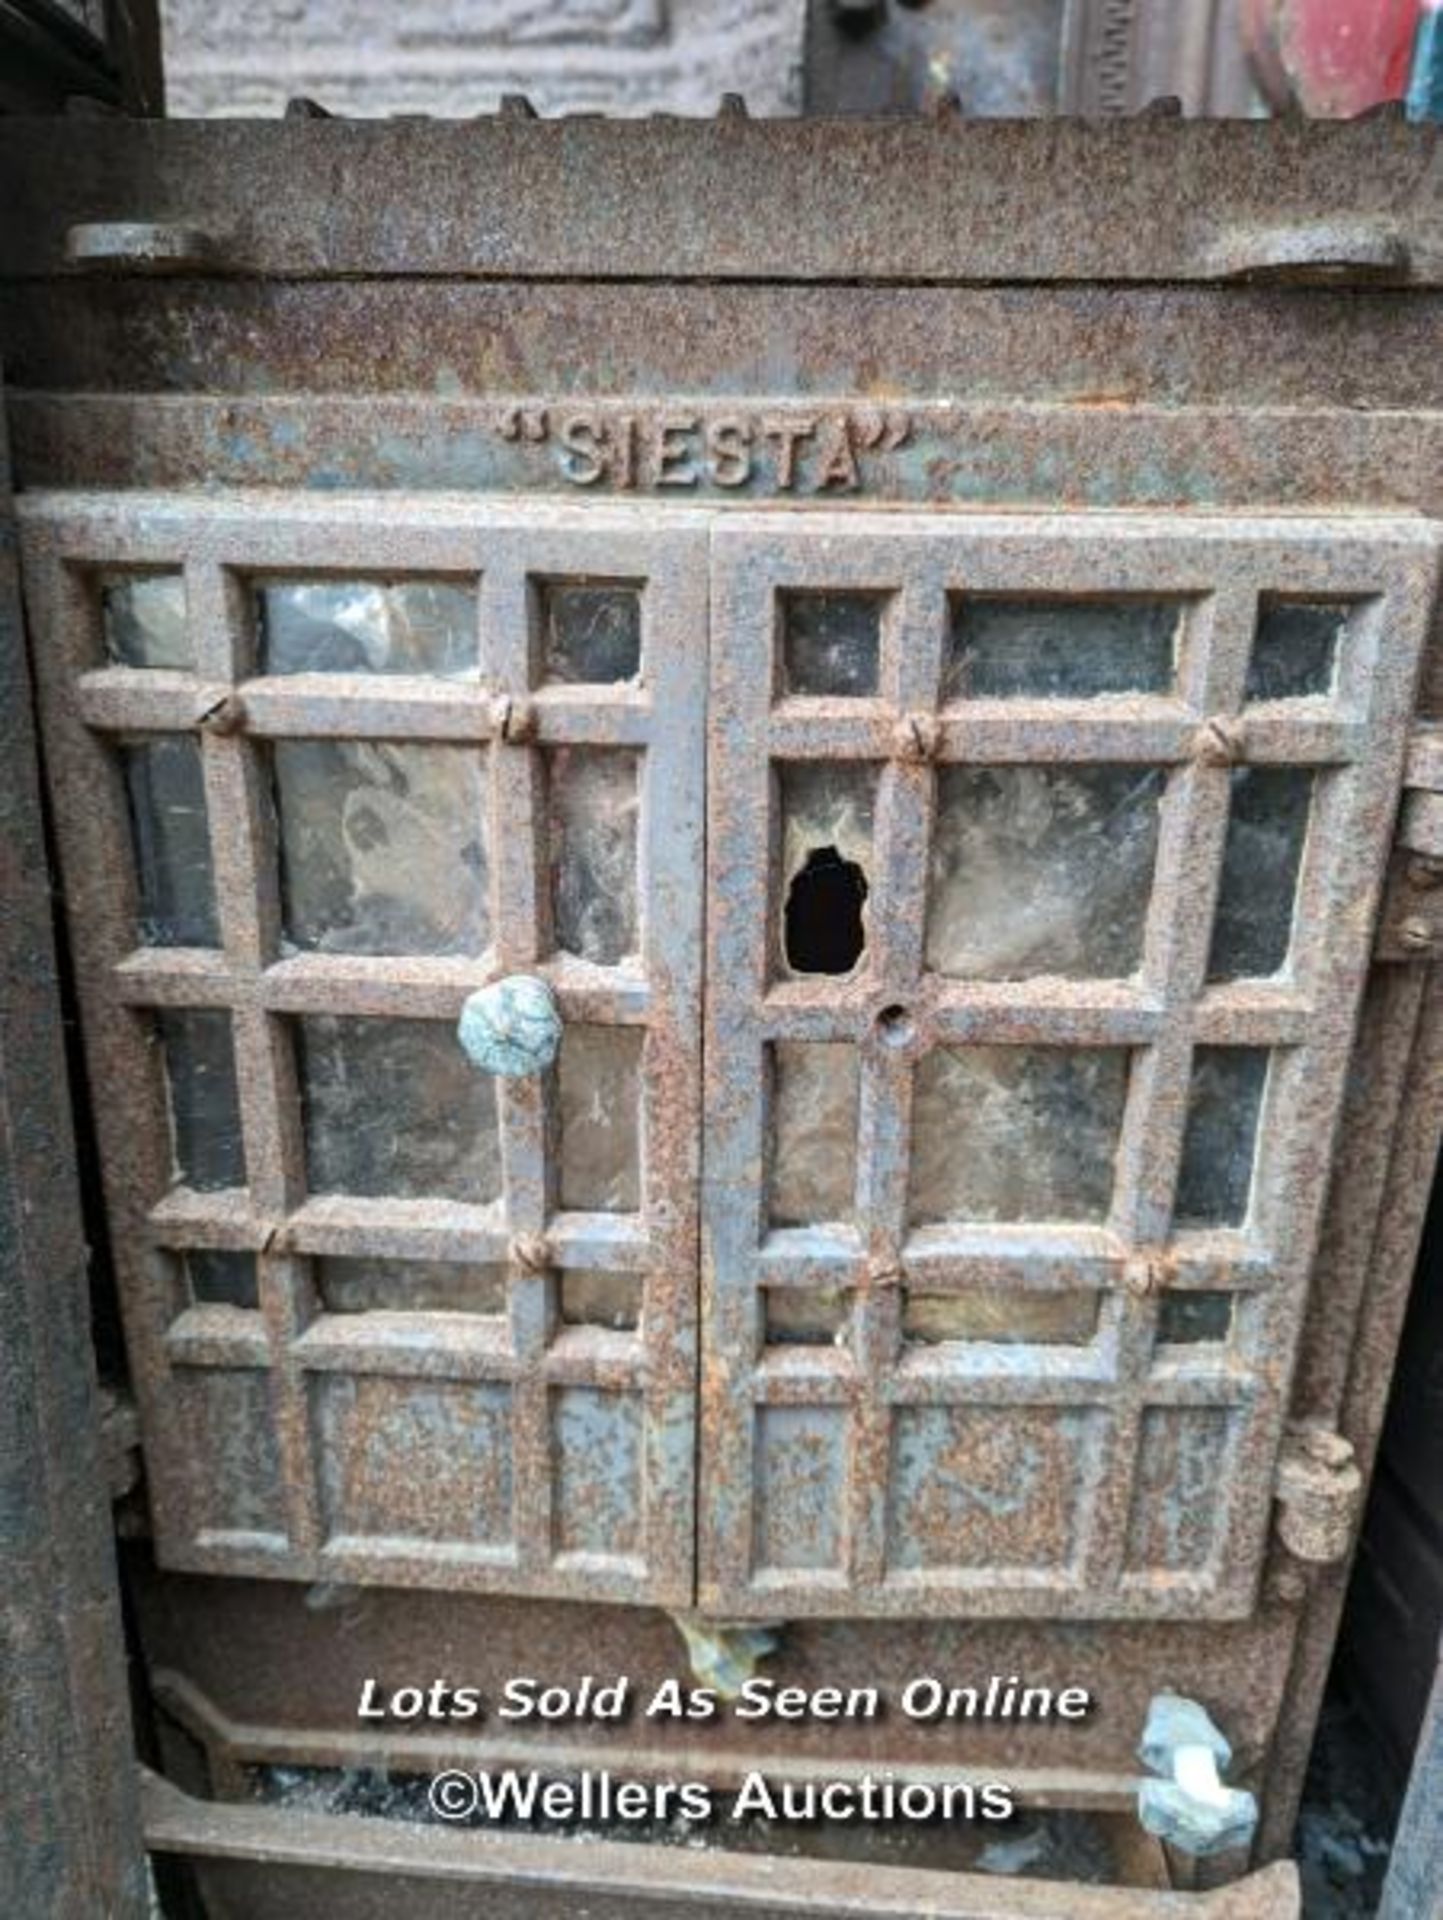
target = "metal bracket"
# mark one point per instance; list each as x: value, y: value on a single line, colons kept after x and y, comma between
x: 1410, y: 926
x: 1187, y: 1805
x: 1319, y: 1493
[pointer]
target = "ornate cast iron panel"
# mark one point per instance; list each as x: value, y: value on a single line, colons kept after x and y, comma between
x: 1044, y: 853
x: 321, y: 768
x: 606, y: 389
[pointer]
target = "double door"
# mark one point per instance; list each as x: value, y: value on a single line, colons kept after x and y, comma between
x: 957, y: 923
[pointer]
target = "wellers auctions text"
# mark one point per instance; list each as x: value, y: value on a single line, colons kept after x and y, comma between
x: 603, y: 1799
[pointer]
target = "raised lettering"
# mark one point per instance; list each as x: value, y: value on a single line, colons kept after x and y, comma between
x: 838, y: 464
x: 786, y: 436
x: 673, y: 436
x: 654, y: 448
x: 729, y: 444
x: 582, y: 462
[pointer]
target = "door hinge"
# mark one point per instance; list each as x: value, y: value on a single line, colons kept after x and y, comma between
x: 1319, y: 1493
x: 1410, y: 926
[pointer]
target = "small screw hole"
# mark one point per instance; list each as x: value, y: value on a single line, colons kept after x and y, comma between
x: 895, y: 1027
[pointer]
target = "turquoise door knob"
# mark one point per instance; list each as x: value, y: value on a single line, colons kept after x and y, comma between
x: 511, y: 1028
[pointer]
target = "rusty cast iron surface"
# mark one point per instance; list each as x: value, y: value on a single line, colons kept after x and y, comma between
x: 235, y: 1481
x: 71, y: 1833
x: 943, y: 323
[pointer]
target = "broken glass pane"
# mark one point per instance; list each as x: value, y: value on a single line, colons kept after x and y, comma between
x: 394, y: 1107
x: 594, y: 802
x: 1267, y: 829
x: 831, y: 643
x: 1295, y: 650
x: 205, y: 1125
x: 1042, y: 870
x: 1060, y: 649
x: 806, y: 1316
x: 1002, y: 1316
x: 369, y: 626
x: 1215, y: 1179
x: 826, y: 855
x: 1016, y: 1133
x: 409, y: 1286
x: 165, y: 788
x: 592, y: 634
x: 599, y: 1079
x: 814, y: 1132
x: 221, y: 1278
x: 1191, y: 1319
x: 383, y: 846
x: 145, y: 622
x: 601, y: 1300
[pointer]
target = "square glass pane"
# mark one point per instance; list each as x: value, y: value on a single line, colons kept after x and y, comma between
x: 369, y: 626
x: 1295, y: 649
x: 827, y: 809
x: 814, y: 1132
x: 1042, y: 870
x: 409, y: 1286
x: 831, y: 643
x: 1215, y: 1180
x: 205, y: 1124
x: 394, y: 1108
x: 806, y: 1316
x: 1194, y: 1319
x: 591, y: 633
x: 383, y: 846
x: 1060, y: 649
x: 601, y: 1300
x: 1268, y: 816
x: 219, y: 1277
x: 144, y: 619
x: 165, y: 790
x: 1001, y: 1316
x: 1016, y: 1133
x: 595, y: 800
x: 599, y: 1086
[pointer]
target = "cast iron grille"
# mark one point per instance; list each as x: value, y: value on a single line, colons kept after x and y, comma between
x: 321, y: 769
x: 1044, y: 857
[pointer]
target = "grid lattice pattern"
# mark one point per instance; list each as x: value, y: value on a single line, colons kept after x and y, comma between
x: 1114, y: 1475
x: 512, y: 1451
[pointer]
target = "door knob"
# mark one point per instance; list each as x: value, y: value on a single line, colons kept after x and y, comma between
x: 512, y: 1027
